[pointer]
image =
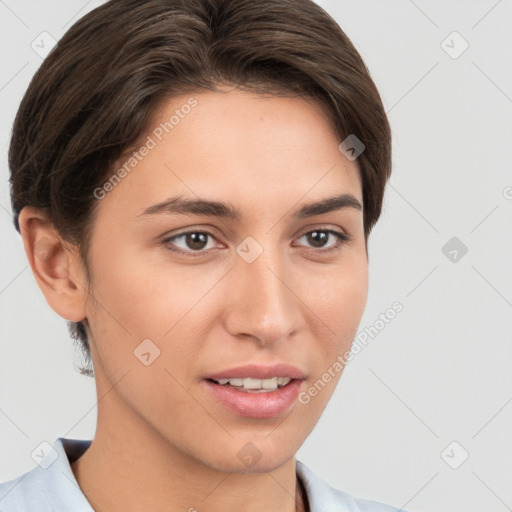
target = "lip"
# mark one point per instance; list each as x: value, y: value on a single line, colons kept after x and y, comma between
x: 256, y: 405
x: 254, y: 371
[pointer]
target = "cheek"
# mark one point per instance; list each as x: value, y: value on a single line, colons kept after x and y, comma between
x: 338, y: 295
x: 135, y: 306
x: 347, y: 301
x: 137, y: 301
x: 338, y: 303
x: 143, y: 298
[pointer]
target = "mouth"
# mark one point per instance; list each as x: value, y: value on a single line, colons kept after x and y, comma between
x: 249, y: 385
x: 256, y: 391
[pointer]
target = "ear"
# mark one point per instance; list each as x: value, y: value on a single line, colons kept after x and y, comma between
x: 55, y: 265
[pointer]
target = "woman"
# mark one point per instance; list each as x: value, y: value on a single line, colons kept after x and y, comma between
x: 195, y: 183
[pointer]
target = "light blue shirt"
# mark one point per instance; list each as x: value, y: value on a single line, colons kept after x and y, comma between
x: 51, y: 487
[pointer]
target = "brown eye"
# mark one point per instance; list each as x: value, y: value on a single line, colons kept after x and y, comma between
x: 192, y: 242
x: 319, y: 238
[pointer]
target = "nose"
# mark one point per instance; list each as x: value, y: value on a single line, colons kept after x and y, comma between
x: 262, y: 303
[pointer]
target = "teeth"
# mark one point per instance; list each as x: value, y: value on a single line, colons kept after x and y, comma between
x: 256, y: 384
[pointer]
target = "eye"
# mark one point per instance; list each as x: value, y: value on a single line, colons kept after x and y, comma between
x: 319, y: 238
x: 195, y: 243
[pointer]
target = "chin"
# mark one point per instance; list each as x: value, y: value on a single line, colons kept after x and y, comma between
x: 247, y: 459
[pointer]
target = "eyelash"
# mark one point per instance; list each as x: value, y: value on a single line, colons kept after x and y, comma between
x: 342, y: 239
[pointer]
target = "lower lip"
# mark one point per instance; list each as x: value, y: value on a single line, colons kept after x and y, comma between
x: 257, y: 405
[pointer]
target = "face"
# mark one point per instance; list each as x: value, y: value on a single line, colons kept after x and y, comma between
x: 181, y: 295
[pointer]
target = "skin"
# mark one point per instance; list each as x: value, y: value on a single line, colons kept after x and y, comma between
x: 162, y: 441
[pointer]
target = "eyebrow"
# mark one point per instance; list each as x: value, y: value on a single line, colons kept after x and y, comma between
x: 181, y: 205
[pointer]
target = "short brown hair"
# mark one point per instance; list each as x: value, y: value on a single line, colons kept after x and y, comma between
x: 94, y: 94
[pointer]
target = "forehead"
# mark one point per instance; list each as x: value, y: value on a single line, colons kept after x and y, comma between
x: 237, y: 145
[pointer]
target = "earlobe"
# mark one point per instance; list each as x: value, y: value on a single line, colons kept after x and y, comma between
x: 56, y: 267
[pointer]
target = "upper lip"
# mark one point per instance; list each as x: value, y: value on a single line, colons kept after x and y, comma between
x: 254, y: 371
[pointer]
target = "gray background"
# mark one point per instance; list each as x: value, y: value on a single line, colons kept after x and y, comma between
x: 440, y: 371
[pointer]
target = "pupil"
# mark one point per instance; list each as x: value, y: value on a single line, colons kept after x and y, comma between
x: 322, y: 235
x: 192, y: 240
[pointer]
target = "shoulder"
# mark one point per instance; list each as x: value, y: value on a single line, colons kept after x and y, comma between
x: 50, y: 486
x: 322, y: 497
